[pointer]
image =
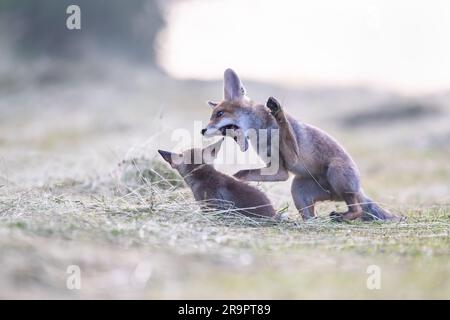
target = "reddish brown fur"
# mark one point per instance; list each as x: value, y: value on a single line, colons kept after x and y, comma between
x: 217, y: 190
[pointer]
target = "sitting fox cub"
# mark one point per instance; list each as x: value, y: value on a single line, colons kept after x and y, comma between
x: 215, y: 189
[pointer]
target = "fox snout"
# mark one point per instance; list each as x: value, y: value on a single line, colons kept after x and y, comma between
x: 210, y: 131
x: 220, y: 128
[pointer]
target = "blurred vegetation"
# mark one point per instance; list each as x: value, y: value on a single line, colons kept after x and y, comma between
x: 124, y: 28
x: 390, y: 113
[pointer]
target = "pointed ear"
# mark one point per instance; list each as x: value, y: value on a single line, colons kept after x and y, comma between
x: 211, y: 151
x: 233, y: 89
x: 212, y: 104
x: 168, y: 156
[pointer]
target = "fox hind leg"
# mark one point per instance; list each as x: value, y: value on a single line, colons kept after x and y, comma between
x: 306, y: 192
x: 354, y: 209
x: 344, y: 181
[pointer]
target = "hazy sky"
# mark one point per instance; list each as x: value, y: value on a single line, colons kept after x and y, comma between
x: 396, y: 44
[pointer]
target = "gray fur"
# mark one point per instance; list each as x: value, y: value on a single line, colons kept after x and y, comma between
x: 323, y: 169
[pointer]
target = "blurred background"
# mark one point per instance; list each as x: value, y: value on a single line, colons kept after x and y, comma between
x: 373, y: 73
x: 76, y: 103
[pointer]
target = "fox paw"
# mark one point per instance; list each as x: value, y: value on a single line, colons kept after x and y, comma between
x: 241, y: 174
x: 273, y: 105
x: 344, y: 216
x: 336, y: 216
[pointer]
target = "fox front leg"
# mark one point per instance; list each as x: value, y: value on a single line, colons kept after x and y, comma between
x: 288, y: 142
x: 257, y: 175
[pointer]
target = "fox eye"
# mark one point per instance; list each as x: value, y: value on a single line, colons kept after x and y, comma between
x: 219, y: 114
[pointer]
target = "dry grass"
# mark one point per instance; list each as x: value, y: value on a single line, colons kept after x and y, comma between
x: 113, y: 230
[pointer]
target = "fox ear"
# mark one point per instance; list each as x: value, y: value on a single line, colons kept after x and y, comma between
x: 212, y: 104
x: 168, y: 156
x: 211, y: 151
x: 233, y: 89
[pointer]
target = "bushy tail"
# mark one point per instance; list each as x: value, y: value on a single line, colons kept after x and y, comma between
x: 372, y: 211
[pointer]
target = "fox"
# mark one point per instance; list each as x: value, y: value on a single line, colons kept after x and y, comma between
x: 323, y: 170
x: 214, y: 189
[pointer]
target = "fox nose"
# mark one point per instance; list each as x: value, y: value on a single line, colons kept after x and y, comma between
x: 203, y: 132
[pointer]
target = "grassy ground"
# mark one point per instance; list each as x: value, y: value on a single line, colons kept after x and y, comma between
x: 65, y: 200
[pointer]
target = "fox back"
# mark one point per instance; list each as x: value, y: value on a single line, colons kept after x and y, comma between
x: 219, y: 191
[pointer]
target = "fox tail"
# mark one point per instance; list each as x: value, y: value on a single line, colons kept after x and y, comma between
x: 373, y: 212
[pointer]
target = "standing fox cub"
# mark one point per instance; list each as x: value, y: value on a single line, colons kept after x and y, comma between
x: 323, y: 170
x: 215, y: 189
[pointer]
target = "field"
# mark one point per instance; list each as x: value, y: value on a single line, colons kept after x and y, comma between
x: 81, y: 184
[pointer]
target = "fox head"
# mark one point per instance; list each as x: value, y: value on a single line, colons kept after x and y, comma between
x: 191, y: 159
x: 231, y: 116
